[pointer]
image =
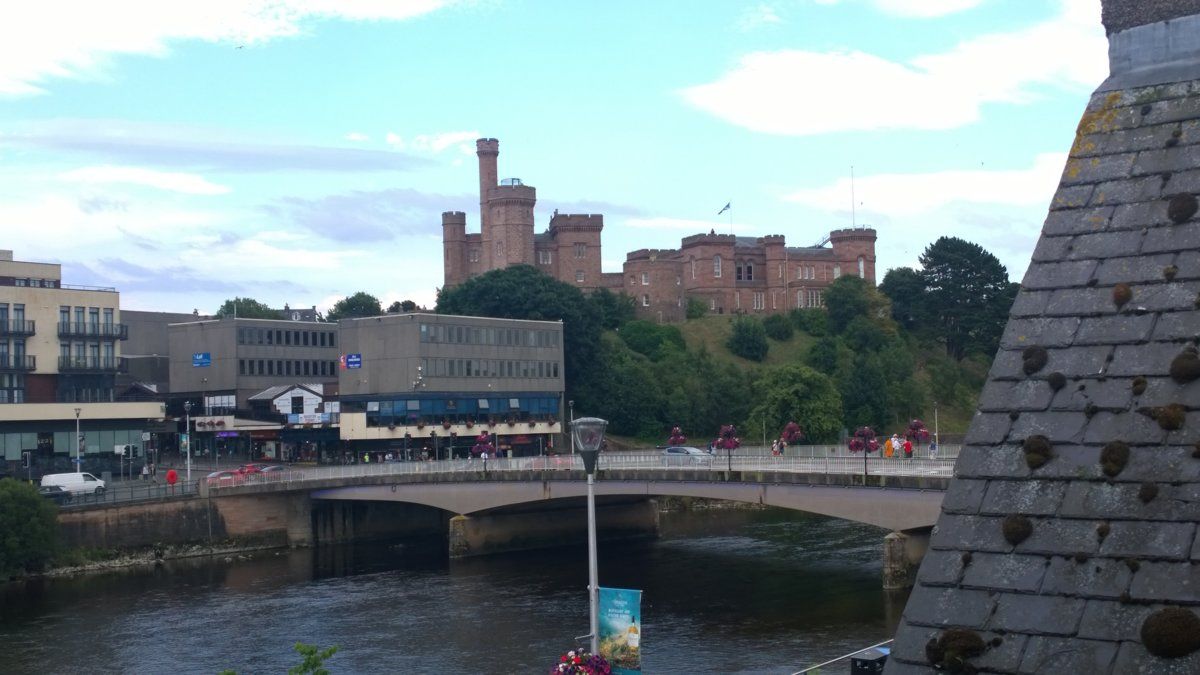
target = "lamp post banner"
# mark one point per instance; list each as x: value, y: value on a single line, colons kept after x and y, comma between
x: 621, y: 629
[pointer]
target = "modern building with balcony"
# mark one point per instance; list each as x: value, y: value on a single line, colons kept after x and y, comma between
x: 58, y: 342
x: 433, y: 382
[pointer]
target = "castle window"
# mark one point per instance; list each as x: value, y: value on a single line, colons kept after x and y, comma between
x: 678, y: 279
x: 738, y: 271
x: 580, y: 251
x: 645, y: 278
x: 800, y: 298
x: 645, y: 301
x: 544, y: 257
x: 760, y: 301
x: 717, y: 266
x: 712, y: 304
x: 749, y: 271
x: 837, y: 271
x: 862, y: 267
x: 473, y: 255
x: 693, y: 261
x: 579, y: 276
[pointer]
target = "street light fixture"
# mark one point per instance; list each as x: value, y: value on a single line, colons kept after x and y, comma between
x: 588, y: 434
x: 571, y: 406
x: 78, y: 443
x: 187, y: 437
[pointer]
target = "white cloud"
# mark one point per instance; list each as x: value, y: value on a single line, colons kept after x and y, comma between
x: 923, y: 9
x: 163, y: 180
x: 357, y: 137
x: 759, y: 16
x: 67, y: 38
x: 906, y: 194
x: 797, y: 92
x: 433, y: 144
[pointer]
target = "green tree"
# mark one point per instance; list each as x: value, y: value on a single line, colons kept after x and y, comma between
x: 778, y: 327
x: 650, y: 339
x: 968, y: 293
x: 28, y: 529
x: 906, y: 289
x: 401, y: 306
x: 799, y: 393
x: 823, y: 355
x: 811, y: 320
x: 864, y: 335
x: 616, y: 309
x: 846, y: 299
x: 696, y: 309
x: 865, y: 396
x: 749, y: 339
x: 523, y: 292
x: 247, y: 308
x: 358, y: 305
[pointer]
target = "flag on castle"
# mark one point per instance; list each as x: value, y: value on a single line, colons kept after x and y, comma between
x: 725, y: 208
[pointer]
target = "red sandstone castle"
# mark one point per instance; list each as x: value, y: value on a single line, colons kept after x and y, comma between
x: 754, y: 275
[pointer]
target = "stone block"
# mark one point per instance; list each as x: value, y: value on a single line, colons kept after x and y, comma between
x: 949, y: 607
x: 1134, y: 269
x: 1163, y: 237
x: 1059, y: 274
x: 1036, y: 614
x: 1079, y: 221
x: 1108, y: 620
x: 1059, y: 655
x: 1166, y: 582
x: 1000, y: 395
x: 1092, y: 578
x: 1004, y: 571
x: 1171, y: 541
x: 1057, y: 536
x: 976, y: 461
x: 1120, y: 329
x: 964, y: 496
x: 1026, y: 497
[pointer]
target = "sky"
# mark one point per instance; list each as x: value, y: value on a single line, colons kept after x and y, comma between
x: 299, y: 151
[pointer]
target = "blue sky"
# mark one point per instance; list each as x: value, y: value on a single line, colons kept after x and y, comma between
x: 301, y: 150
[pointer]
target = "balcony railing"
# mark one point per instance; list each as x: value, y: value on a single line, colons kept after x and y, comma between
x: 16, y: 327
x: 111, y: 331
x: 22, y: 363
x: 92, y: 364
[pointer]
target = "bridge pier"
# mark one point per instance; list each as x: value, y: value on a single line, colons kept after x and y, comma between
x: 498, y: 532
x: 902, y: 554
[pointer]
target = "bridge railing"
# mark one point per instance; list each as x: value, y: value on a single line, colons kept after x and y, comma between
x: 745, y: 462
x: 128, y: 492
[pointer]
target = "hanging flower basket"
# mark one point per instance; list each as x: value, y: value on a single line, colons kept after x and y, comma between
x: 677, y: 436
x: 392, y: 426
x: 863, y: 440
x: 470, y: 424
x: 220, y: 423
x: 916, y: 431
x: 512, y: 422
x: 420, y: 424
x: 445, y: 424
x: 791, y: 433
x: 581, y: 663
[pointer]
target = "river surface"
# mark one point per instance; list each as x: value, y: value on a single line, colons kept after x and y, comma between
x: 727, y: 591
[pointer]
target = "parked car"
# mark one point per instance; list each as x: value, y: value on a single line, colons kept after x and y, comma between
x: 74, y: 483
x: 680, y: 455
x: 254, y: 467
x: 55, y: 493
x: 272, y: 468
x: 223, y: 478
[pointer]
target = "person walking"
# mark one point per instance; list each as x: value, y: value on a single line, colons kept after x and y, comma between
x: 775, y: 448
x: 888, y: 449
x: 933, y: 449
x: 907, y: 448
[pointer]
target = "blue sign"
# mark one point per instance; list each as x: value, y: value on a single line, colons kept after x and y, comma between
x: 621, y: 629
x: 201, y: 360
x: 354, y: 360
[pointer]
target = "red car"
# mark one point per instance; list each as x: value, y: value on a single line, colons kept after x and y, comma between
x: 247, y: 469
x: 224, y: 478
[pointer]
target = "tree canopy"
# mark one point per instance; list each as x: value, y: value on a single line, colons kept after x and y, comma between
x: 968, y: 295
x: 797, y: 393
x: 28, y: 528
x: 401, y: 306
x: 749, y: 339
x: 906, y: 289
x: 358, y: 305
x: 247, y: 308
x: 616, y: 309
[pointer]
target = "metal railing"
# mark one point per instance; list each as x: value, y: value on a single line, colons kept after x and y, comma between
x: 116, y: 331
x: 813, y: 669
x: 20, y: 363
x: 132, y: 492
x: 854, y: 465
x: 113, y: 364
x: 17, y: 327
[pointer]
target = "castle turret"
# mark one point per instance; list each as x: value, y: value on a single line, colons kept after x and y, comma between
x: 488, y: 149
x: 508, y: 239
x: 454, y: 243
x: 854, y: 249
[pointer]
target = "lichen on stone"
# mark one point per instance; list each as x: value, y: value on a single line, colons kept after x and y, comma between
x: 1138, y: 385
x: 1121, y: 294
x: 1102, y: 530
x: 1185, y: 368
x: 1169, y: 417
x: 1037, y: 451
x: 1016, y: 529
x: 1113, y: 458
x: 952, y: 651
x: 1171, y: 632
x: 1182, y: 207
x: 1169, y: 272
x: 1057, y: 380
x: 1147, y: 492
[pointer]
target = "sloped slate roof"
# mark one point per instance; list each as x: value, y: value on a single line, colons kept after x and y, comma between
x: 1109, y: 303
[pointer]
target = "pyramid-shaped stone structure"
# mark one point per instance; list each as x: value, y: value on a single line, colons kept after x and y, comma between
x: 1068, y: 539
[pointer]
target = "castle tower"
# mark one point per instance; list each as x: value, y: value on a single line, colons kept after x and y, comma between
x: 855, y: 251
x: 454, y: 244
x: 508, y: 239
x: 487, y: 149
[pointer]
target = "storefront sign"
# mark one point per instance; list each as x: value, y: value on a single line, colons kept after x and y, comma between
x: 621, y: 629
x: 227, y: 434
x: 351, y: 361
x: 308, y: 418
x: 201, y: 359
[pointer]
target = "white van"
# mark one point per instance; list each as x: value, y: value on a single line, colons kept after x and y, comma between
x: 75, y: 483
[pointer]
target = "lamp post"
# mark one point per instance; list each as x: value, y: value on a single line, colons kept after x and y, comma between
x: 78, y: 442
x: 187, y: 436
x: 935, y: 425
x: 588, y: 434
x: 571, y: 405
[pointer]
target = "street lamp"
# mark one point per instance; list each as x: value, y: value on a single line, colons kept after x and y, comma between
x: 588, y: 434
x: 78, y: 443
x: 571, y: 405
x: 935, y: 425
x: 187, y: 437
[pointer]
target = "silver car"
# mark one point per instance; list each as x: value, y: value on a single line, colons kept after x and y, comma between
x: 681, y: 455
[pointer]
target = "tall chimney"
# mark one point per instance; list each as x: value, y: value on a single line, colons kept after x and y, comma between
x: 487, y: 149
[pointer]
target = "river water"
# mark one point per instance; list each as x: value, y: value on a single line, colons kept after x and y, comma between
x: 728, y: 591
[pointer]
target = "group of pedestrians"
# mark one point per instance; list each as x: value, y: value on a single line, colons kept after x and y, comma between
x: 893, y: 446
x: 778, y: 447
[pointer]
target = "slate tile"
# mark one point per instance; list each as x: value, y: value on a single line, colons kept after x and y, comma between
x: 909, y: 644
x: 1078, y: 361
x: 1121, y: 192
x: 1171, y: 237
x: 949, y: 607
x: 940, y: 568
x: 1119, y: 329
x: 1092, y: 578
x: 1106, y: 244
x: 1133, y: 659
x: 1004, y: 658
x: 1188, y: 264
x: 895, y: 667
x: 1030, y: 303
x: 1110, y: 393
x: 1182, y: 325
x: 1072, y: 197
x: 1160, y: 463
x: 1060, y: 536
x: 1059, y: 655
x: 988, y: 428
x: 1132, y: 270
x: 1147, y: 360
x: 1108, y: 620
x: 1096, y: 169
x: 1163, y: 160
x: 1166, y: 582
x: 1137, y: 540
x: 1119, y: 500
x: 964, y: 496
x: 976, y: 461
x: 1071, y: 461
x: 1079, y: 302
x: 1036, y: 614
x: 968, y: 533
x: 1003, y: 571
x: 1027, y: 497
x: 999, y: 395
x: 1058, y: 426
x: 1174, y: 297
x: 1047, y: 332
x: 1079, y: 221
x: 1183, y: 181
x: 1059, y: 274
